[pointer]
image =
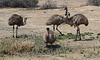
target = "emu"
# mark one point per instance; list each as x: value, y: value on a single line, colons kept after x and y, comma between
x: 50, y: 37
x: 16, y: 19
x: 76, y: 21
x: 55, y: 20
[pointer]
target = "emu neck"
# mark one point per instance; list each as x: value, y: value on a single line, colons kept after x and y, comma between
x: 48, y: 32
x: 49, y: 35
x: 68, y: 21
x: 66, y: 12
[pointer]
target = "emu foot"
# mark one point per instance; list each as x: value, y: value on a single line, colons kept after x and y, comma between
x: 61, y: 35
x: 13, y: 36
x: 75, y: 40
x: 80, y: 39
x: 17, y: 36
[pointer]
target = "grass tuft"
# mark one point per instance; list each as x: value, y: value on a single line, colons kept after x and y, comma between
x: 72, y: 36
x: 98, y: 34
x: 34, y: 44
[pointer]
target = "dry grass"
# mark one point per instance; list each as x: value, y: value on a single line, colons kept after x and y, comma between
x: 13, y: 46
x: 32, y: 44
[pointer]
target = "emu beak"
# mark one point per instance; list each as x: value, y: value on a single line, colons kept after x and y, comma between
x: 68, y: 16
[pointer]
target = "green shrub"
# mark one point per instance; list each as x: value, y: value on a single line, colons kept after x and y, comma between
x: 98, y: 34
x: 10, y: 47
x: 18, y: 3
x: 68, y: 36
x: 94, y: 2
x: 49, y: 4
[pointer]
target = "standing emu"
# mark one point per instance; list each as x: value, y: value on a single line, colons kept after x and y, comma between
x: 55, y: 20
x: 50, y: 37
x: 76, y: 21
x: 16, y: 20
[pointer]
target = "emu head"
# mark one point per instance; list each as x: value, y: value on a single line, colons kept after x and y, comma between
x: 47, y: 30
x: 66, y: 11
x: 67, y: 14
x: 25, y: 19
x: 65, y: 8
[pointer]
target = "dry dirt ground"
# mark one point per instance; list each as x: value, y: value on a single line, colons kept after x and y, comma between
x: 36, y: 23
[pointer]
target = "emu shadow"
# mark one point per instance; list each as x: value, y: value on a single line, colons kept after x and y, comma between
x: 53, y: 46
x: 85, y: 40
x: 22, y: 36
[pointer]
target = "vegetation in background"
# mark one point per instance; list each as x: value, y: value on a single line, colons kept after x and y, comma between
x: 18, y: 3
x: 73, y: 36
x: 94, y: 2
x: 49, y: 4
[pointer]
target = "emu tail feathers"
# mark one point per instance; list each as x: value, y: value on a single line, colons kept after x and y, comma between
x: 48, y: 23
x: 86, y: 24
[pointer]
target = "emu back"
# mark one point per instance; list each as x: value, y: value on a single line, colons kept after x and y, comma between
x: 55, y: 20
x: 15, y: 20
x: 80, y: 19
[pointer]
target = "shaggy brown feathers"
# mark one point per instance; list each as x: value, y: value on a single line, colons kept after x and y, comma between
x: 76, y: 21
x: 16, y: 19
x: 50, y: 37
x: 55, y: 20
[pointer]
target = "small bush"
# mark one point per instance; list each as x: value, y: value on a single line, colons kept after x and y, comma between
x: 10, y: 47
x: 49, y: 4
x: 18, y: 3
x: 94, y: 2
x: 98, y: 34
x: 68, y: 36
x: 73, y: 36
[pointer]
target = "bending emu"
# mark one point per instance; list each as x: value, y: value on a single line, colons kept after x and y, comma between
x: 75, y: 21
x: 50, y: 37
x: 55, y: 20
x: 16, y: 20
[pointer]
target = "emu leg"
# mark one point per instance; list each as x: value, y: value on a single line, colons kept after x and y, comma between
x: 53, y: 27
x: 76, y: 35
x: 79, y: 34
x: 16, y: 31
x: 51, y: 45
x: 58, y: 30
x: 46, y: 43
x: 13, y: 31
